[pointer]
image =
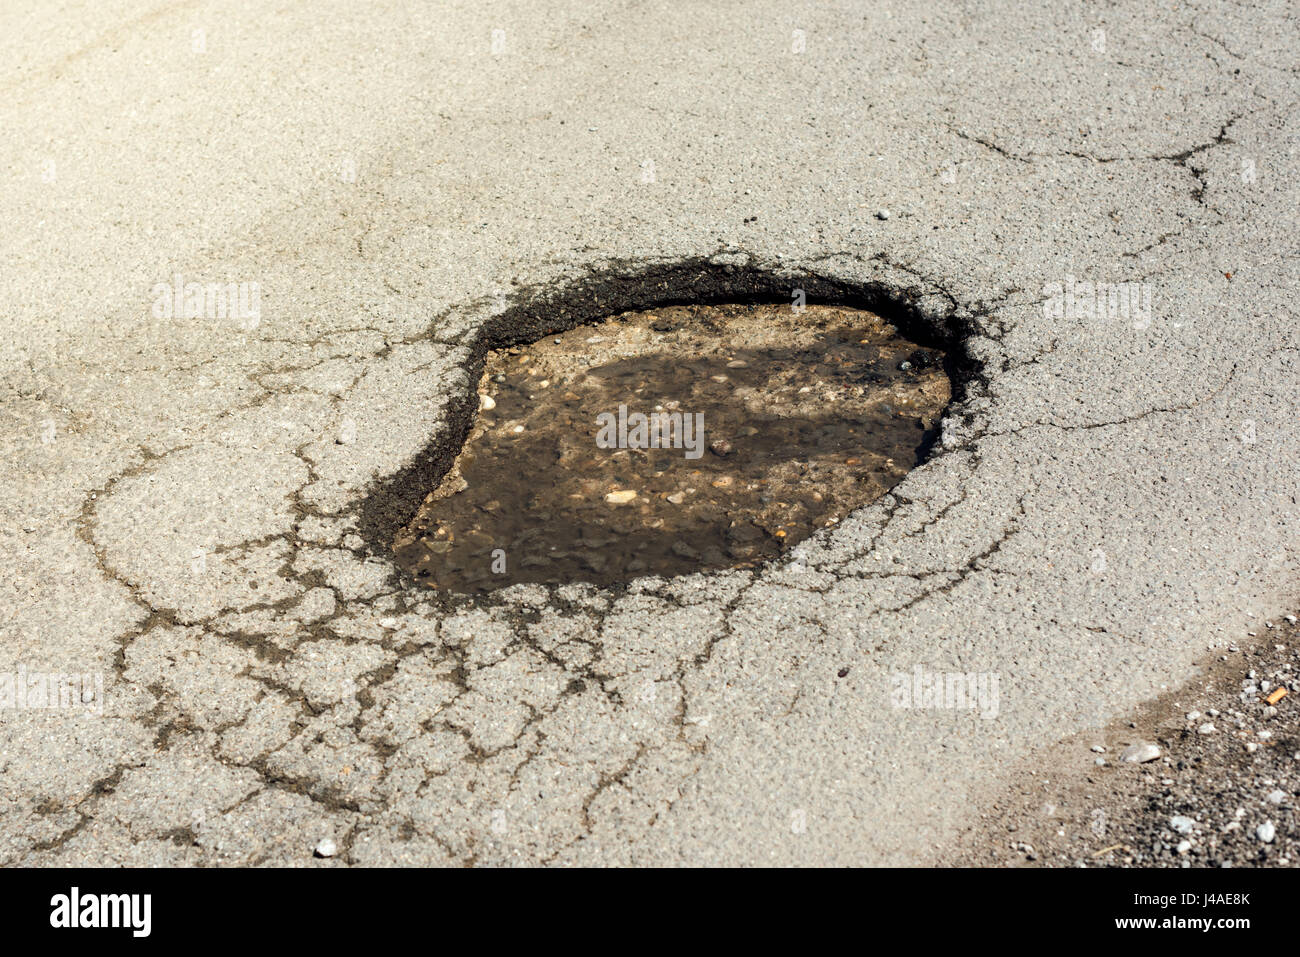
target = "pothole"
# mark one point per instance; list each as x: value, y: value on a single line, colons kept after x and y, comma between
x: 674, y: 440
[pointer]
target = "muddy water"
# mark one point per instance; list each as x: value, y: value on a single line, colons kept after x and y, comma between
x: 775, y: 423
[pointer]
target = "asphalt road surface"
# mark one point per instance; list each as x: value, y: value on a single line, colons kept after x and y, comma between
x: 1093, y: 205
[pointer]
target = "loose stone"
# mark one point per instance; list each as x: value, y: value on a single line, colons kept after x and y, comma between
x: 1140, y: 753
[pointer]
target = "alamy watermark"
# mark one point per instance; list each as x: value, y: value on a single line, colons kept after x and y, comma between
x: 76, y: 909
x: 1099, y: 300
x: 24, y: 690
x: 179, y: 299
x: 950, y: 690
x: 656, y: 430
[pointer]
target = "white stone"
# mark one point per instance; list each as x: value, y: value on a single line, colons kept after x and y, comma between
x: 1140, y: 752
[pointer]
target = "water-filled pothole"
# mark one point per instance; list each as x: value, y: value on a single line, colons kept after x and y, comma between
x: 672, y: 441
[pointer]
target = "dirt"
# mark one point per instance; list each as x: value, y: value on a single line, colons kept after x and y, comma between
x: 1229, y: 765
x: 771, y: 423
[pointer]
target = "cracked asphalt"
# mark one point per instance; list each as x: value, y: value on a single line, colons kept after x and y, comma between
x: 196, y: 509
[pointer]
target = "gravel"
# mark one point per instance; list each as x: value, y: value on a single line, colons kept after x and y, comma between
x: 1222, y: 799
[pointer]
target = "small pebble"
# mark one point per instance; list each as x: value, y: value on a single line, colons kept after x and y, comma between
x: 326, y: 848
x: 620, y: 496
x: 882, y: 214
x: 1182, y: 824
x: 1266, y: 832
